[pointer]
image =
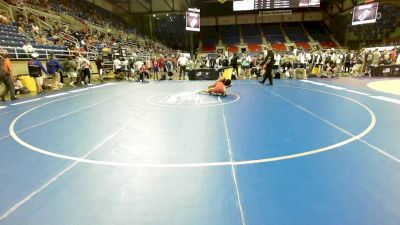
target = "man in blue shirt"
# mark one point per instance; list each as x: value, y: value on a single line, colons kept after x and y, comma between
x: 35, y: 68
x: 53, y: 68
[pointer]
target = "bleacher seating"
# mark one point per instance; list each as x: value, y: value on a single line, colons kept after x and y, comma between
x: 279, y: 47
x: 232, y: 48
x: 10, y: 37
x: 303, y: 45
x: 230, y: 35
x: 251, y: 34
x: 295, y: 32
x: 318, y: 33
x: 328, y: 44
x: 100, y: 30
x: 209, y: 49
x: 210, y: 38
x: 254, y: 48
x: 273, y: 33
x: 172, y: 31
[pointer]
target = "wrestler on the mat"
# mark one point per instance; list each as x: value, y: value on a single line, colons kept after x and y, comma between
x: 218, y: 88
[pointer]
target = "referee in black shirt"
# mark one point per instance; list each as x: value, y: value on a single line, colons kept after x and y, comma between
x: 267, y: 66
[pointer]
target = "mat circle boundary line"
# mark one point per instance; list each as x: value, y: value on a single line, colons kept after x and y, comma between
x: 205, y: 164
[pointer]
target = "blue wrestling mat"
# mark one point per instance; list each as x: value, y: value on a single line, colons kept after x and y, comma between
x: 300, y: 152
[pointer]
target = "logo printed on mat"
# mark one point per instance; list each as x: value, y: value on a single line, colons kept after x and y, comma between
x: 187, y: 98
x: 190, y: 99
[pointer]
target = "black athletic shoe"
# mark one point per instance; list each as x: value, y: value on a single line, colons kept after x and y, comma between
x: 261, y: 82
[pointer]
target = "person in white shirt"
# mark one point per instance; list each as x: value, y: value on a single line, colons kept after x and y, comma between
x: 137, y: 66
x: 125, y: 64
x: 219, y: 61
x: 323, y: 57
x: 117, y: 66
x: 28, y: 49
x: 84, y: 67
x: 246, y: 65
x: 376, y: 55
x: 302, y: 59
x: 125, y: 69
x: 316, y: 59
x: 308, y: 57
x: 182, y: 61
x: 333, y: 57
x: 208, y: 63
x: 339, y: 62
x: 277, y: 58
x: 277, y: 63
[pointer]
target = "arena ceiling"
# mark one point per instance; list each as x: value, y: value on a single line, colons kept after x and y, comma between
x: 332, y: 7
x: 160, y: 6
x: 169, y: 6
x: 154, y: 6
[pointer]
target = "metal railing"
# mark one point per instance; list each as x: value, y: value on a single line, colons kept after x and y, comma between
x: 7, y: 7
x: 6, y: 12
x: 71, y: 21
x: 27, y: 37
x: 34, y: 7
x: 21, y: 11
x: 143, y: 56
x: 48, y: 15
x: 19, y: 53
x: 43, y: 24
x: 69, y: 38
x: 60, y: 15
x: 94, y: 27
x: 39, y: 12
x: 63, y: 9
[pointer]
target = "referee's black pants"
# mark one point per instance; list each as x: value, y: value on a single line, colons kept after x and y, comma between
x: 182, y: 71
x: 268, y: 74
x: 9, y: 87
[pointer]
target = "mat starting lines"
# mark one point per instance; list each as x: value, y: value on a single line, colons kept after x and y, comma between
x: 58, y: 95
x: 382, y: 98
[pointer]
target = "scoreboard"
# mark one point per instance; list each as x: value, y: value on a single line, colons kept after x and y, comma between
x: 273, y: 4
x: 193, y: 19
x: 367, y: 13
x: 282, y: 4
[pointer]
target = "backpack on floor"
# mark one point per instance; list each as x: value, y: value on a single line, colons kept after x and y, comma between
x: 24, y: 90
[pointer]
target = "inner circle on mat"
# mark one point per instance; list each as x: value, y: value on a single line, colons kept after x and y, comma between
x: 84, y: 159
x: 190, y: 99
